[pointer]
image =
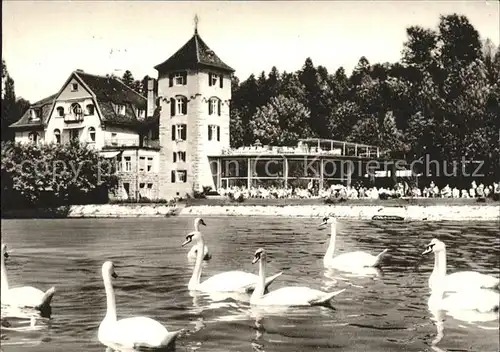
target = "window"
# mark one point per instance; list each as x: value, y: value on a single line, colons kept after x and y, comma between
x: 179, y: 132
x: 119, y: 167
x: 179, y: 156
x: 34, y: 114
x: 119, y: 109
x: 178, y: 79
x: 33, y: 137
x: 128, y: 164
x: 214, y: 106
x: 213, y: 133
x: 57, y: 136
x: 113, y: 138
x: 213, y: 78
x: 91, y: 134
x: 178, y: 176
x: 141, y: 113
x: 90, y: 109
x: 182, y: 175
x: 149, y: 165
x: 60, y: 111
x: 76, y: 109
x: 150, y: 190
x: 74, y: 87
x: 142, y: 163
x: 74, y: 135
x: 178, y: 106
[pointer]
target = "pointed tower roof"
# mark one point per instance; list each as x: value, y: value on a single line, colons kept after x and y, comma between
x: 194, y: 54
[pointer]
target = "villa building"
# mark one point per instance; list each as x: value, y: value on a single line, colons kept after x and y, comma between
x: 175, y: 139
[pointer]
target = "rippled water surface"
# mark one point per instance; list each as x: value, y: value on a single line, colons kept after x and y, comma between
x: 386, y: 313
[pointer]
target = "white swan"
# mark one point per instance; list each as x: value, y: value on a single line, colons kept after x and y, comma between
x: 461, y: 280
x: 229, y: 281
x: 130, y: 333
x: 26, y: 296
x: 286, y: 296
x: 192, y: 252
x: 350, y: 260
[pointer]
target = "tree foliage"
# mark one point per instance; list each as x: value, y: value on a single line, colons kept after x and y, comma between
x: 54, y: 173
x: 441, y: 99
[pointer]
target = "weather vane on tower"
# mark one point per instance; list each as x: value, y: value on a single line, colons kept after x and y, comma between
x: 196, y: 19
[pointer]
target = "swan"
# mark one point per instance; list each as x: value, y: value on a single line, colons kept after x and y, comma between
x: 461, y: 280
x: 228, y: 281
x: 192, y: 252
x: 286, y: 296
x: 130, y: 333
x: 26, y: 296
x: 350, y: 260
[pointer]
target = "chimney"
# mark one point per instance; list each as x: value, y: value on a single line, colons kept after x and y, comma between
x: 151, y: 96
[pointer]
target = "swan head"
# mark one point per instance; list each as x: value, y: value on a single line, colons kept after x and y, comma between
x: 327, y: 220
x: 260, y: 254
x: 435, y: 246
x: 4, y: 250
x: 192, y: 237
x: 108, y: 270
x: 199, y: 221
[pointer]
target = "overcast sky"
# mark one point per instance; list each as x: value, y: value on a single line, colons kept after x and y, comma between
x: 44, y: 41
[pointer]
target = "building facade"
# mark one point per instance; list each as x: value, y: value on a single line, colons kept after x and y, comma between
x: 174, y: 140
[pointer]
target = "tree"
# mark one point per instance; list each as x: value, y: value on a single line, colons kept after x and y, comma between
x: 128, y: 78
x: 281, y: 122
x: 55, y: 174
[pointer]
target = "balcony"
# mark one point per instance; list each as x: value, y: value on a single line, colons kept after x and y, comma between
x: 71, y: 118
x: 131, y: 142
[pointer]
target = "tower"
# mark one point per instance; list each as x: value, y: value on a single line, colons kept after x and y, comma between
x: 194, y: 88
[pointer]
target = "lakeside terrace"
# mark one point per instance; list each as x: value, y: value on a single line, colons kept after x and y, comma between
x: 321, y: 161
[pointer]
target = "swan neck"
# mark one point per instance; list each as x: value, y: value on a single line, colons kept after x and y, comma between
x: 195, y: 278
x: 440, y: 264
x: 110, y: 299
x: 196, y: 226
x: 259, y: 288
x: 5, y: 284
x: 331, y: 246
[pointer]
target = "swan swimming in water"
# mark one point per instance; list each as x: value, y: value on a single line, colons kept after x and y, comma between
x: 25, y: 296
x: 192, y: 252
x: 461, y: 280
x: 286, y: 296
x: 347, y: 261
x: 229, y: 281
x: 130, y: 333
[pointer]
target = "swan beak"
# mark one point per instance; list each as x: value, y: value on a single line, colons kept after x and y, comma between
x: 114, y: 275
x: 202, y: 222
x: 255, y: 260
x: 322, y: 225
x: 6, y: 254
x: 427, y: 250
x: 185, y: 242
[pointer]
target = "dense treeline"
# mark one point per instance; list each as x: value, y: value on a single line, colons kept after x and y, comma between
x: 442, y: 99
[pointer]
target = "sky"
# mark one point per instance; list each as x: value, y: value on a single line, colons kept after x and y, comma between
x: 44, y: 41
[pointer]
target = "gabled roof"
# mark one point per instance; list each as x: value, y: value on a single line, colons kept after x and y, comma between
x: 43, y: 108
x: 112, y: 89
x: 106, y: 91
x: 194, y: 54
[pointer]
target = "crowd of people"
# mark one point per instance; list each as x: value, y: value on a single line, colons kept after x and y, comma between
x: 338, y: 191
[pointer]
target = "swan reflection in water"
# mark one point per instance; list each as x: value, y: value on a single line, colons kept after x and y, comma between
x: 23, y: 326
x: 332, y: 276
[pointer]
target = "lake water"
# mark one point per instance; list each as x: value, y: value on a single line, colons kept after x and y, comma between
x: 386, y: 313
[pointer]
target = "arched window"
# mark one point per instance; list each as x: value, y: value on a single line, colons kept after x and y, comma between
x: 57, y: 136
x: 91, y: 134
x: 214, y: 105
x: 33, y: 137
x: 90, y: 109
x: 178, y: 105
x: 76, y: 109
x: 60, y: 111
